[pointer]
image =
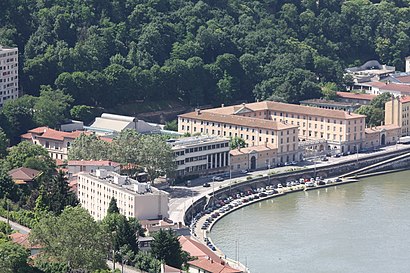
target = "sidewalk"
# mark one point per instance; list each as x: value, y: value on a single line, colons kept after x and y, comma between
x: 16, y: 226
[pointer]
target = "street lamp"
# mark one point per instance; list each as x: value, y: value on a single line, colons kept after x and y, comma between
x: 213, y: 191
x: 268, y: 174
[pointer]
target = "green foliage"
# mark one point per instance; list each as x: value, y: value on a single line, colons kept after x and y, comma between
x: 375, y: 110
x: 380, y: 100
x: 51, y: 107
x: 4, y: 143
x: 13, y: 258
x: 147, y: 262
x: 24, y: 217
x: 89, y: 147
x: 172, y: 125
x: 84, y: 113
x: 374, y: 116
x: 5, y: 228
x: 55, y: 194
x: 118, y: 228
x: 72, y: 237
x: 112, y: 207
x: 25, y: 150
x: 237, y: 142
x: 106, y: 53
x: 7, y: 186
x: 329, y: 90
x: 167, y: 248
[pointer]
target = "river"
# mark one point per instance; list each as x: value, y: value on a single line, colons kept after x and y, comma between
x: 358, y: 227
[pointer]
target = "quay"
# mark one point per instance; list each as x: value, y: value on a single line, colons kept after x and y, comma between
x: 370, y: 164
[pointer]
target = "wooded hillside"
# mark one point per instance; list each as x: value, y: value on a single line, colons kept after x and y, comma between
x: 108, y: 52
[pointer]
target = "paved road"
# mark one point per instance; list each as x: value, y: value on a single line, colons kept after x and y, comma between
x: 16, y: 226
x: 182, y: 197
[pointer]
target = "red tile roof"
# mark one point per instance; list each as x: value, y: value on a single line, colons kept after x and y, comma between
x: 403, y: 88
x: 27, y: 136
x: 376, y: 129
x: 93, y: 163
x: 48, y: 133
x: 212, y: 266
x: 23, y: 174
x: 404, y: 79
x: 351, y: 95
x: 197, y: 249
x: 170, y: 269
x: 405, y: 99
x: 285, y: 108
x: 247, y: 150
x: 238, y: 120
x: 22, y: 239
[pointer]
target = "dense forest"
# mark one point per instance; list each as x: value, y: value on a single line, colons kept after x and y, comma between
x: 111, y: 52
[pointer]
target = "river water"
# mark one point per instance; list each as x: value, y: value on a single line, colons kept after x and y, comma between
x: 359, y: 227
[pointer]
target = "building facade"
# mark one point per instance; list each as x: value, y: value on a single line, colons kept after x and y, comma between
x: 57, y: 143
x: 381, y: 136
x: 254, y: 131
x: 9, y: 87
x: 280, y: 125
x: 200, y: 155
x: 134, y: 199
x: 397, y: 112
x: 255, y: 157
x: 76, y: 166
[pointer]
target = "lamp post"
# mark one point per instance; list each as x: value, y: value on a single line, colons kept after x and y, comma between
x: 268, y: 174
x: 213, y: 191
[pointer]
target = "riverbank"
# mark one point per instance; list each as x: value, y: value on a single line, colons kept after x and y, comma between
x: 338, y: 224
x: 202, y: 235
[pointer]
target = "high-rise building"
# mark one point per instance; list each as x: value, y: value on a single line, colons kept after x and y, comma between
x: 9, y: 87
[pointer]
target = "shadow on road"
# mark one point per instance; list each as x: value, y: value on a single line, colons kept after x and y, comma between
x: 179, y: 192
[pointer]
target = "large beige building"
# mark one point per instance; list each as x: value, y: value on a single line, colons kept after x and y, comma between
x: 200, y: 155
x: 280, y: 125
x: 255, y: 157
x: 397, y: 112
x: 255, y: 131
x: 134, y: 199
x: 9, y: 87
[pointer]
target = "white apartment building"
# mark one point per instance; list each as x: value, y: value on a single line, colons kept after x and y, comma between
x: 8, y: 74
x: 201, y: 155
x: 134, y: 199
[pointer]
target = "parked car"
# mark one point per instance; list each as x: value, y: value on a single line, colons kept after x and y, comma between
x: 217, y: 178
x: 324, y: 159
x: 244, y: 171
x: 206, y: 185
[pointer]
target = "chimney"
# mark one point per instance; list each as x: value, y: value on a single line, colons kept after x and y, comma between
x: 222, y: 105
x: 198, y: 111
x: 243, y: 104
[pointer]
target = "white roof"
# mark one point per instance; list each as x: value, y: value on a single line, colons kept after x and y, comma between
x: 110, y: 124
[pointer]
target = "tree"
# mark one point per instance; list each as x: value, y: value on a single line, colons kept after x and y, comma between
x: 237, y: 142
x: 5, y: 228
x: 125, y: 147
x: 156, y: 157
x: 117, y: 227
x: 89, y: 147
x: 171, y: 125
x: 167, y: 248
x: 374, y: 116
x: 112, y: 207
x: 13, y: 258
x: 7, y: 187
x: 329, y: 91
x: 57, y: 194
x: 72, y: 237
x: 4, y: 143
x: 51, y: 107
x: 380, y: 100
x: 20, y: 154
x: 84, y: 113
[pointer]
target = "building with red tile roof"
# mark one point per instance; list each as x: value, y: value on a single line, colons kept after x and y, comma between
x: 56, y: 142
x: 210, y: 266
x: 279, y: 124
x: 23, y: 240
x: 24, y: 175
x: 355, y: 97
